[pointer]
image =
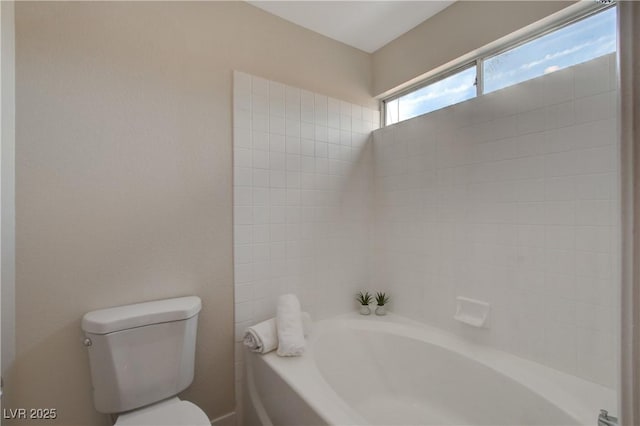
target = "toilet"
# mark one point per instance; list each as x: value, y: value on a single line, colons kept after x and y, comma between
x: 141, y: 357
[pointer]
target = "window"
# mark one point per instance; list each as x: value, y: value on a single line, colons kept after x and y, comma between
x: 447, y: 91
x: 570, y: 45
x: 591, y: 36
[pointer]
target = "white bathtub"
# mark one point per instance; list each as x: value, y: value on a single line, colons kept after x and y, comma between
x: 392, y: 371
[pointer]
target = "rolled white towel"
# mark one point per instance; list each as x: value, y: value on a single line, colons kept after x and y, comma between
x: 289, y: 325
x: 263, y: 337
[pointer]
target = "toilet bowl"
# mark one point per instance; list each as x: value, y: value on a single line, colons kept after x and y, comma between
x: 171, y: 412
x: 141, y: 356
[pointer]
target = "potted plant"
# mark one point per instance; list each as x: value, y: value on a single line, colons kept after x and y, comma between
x: 364, y: 299
x: 381, y: 300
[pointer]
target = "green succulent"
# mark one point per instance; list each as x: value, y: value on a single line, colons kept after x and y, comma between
x: 364, y: 298
x: 381, y: 299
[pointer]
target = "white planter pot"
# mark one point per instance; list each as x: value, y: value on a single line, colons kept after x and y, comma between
x: 365, y: 310
x: 381, y: 310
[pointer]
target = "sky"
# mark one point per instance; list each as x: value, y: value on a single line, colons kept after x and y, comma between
x: 579, y: 42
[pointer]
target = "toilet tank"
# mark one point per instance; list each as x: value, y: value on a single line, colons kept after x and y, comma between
x: 142, y: 353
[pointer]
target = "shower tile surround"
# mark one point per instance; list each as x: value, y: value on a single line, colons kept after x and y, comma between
x: 303, y: 200
x: 510, y: 198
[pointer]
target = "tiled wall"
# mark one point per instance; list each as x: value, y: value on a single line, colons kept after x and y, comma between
x: 510, y: 198
x: 303, y: 198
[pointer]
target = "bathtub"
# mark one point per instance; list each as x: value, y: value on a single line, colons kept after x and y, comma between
x: 393, y: 371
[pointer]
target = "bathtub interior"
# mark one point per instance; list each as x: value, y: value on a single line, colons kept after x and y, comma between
x: 395, y: 380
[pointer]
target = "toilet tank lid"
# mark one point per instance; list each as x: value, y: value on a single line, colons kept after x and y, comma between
x: 109, y: 320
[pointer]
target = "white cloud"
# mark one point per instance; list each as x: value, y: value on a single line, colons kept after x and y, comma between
x: 552, y: 68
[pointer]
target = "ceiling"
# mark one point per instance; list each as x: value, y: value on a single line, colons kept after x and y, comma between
x: 366, y: 25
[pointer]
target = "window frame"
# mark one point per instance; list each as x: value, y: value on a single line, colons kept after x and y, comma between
x: 509, y: 43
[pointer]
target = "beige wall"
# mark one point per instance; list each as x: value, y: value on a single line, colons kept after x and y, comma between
x: 8, y: 240
x: 629, y: 110
x: 124, y: 173
x: 452, y: 33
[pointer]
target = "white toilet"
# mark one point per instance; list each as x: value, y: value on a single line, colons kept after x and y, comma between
x: 141, y: 357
